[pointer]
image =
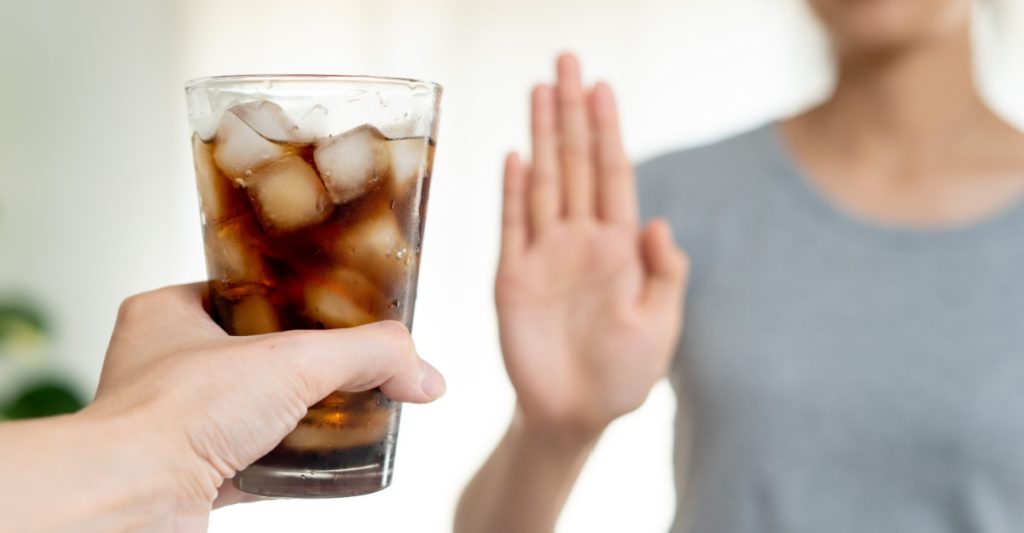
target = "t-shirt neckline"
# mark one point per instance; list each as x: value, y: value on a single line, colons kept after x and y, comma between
x: 826, y: 211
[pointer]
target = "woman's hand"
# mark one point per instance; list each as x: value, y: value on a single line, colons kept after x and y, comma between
x: 589, y: 304
x: 202, y: 405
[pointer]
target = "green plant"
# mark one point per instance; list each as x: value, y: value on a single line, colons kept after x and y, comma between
x: 24, y: 334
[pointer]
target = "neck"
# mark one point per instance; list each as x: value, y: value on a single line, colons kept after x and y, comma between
x: 918, y: 95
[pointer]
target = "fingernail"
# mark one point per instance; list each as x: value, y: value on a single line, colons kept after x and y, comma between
x: 433, y: 383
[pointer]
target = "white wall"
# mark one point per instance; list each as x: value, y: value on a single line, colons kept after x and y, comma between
x: 97, y: 200
x: 94, y: 203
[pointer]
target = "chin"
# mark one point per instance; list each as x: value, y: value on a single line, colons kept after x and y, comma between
x: 871, y: 26
x: 872, y: 40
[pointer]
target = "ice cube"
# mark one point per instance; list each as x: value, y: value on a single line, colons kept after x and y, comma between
x: 239, y: 150
x: 376, y: 247
x: 344, y: 299
x: 352, y: 163
x: 234, y: 251
x: 311, y: 123
x: 287, y: 195
x: 271, y: 122
x: 329, y: 429
x: 408, y: 162
x: 219, y: 199
x: 254, y: 315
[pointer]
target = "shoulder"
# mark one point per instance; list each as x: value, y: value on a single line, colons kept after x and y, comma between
x: 708, y: 169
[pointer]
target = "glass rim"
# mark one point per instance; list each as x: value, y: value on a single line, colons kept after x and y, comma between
x: 208, y: 81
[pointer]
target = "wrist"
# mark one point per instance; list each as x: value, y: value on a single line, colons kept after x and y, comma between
x: 82, y: 472
x: 560, y: 434
x: 138, y: 490
x: 146, y: 466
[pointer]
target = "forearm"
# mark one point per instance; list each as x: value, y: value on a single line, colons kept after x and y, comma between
x: 526, y: 481
x: 84, y: 474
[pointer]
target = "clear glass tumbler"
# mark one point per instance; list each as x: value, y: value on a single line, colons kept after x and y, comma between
x: 313, y: 194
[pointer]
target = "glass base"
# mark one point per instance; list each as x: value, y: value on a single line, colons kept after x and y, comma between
x: 280, y: 482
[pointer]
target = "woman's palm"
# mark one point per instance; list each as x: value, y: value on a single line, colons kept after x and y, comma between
x: 589, y: 306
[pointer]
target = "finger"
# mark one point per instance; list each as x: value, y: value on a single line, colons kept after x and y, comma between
x: 423, y: 385
x: 616, y: 185
x: 574, y: 127
x: 193, y: 304
x: 667, y: 267
x: 189, y: 302
x: 545, y: 200
x: 352, y: 360
x: 189, y: 298
x: 513, y: 218
x: 189, y: 294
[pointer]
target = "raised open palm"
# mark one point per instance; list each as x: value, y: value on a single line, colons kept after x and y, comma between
x: 589, y: 305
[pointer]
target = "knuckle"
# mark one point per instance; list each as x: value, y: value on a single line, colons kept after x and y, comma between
x: 506, y: 286
x: 145, y: 303
x: 396, y: 335
x: 502, y: 296
x: 505, y: 281
x: 575, y: 150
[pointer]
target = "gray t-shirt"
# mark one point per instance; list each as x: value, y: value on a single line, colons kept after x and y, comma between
x: 841, y: 376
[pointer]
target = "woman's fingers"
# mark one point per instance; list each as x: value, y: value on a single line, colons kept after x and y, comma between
x: 513, y: 217
x: 616, y: 186
x: 545, y: 187
x: 667, y: 268
x: 574, y: 129
x: 580, y: 168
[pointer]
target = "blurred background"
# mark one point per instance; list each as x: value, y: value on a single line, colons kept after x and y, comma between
x: 97, y: 198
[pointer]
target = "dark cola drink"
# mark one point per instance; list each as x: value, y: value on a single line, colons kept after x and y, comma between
x: 313, y: 230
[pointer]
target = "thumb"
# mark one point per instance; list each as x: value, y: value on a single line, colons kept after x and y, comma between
x: 667, y: 266
x: 356, y: 359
